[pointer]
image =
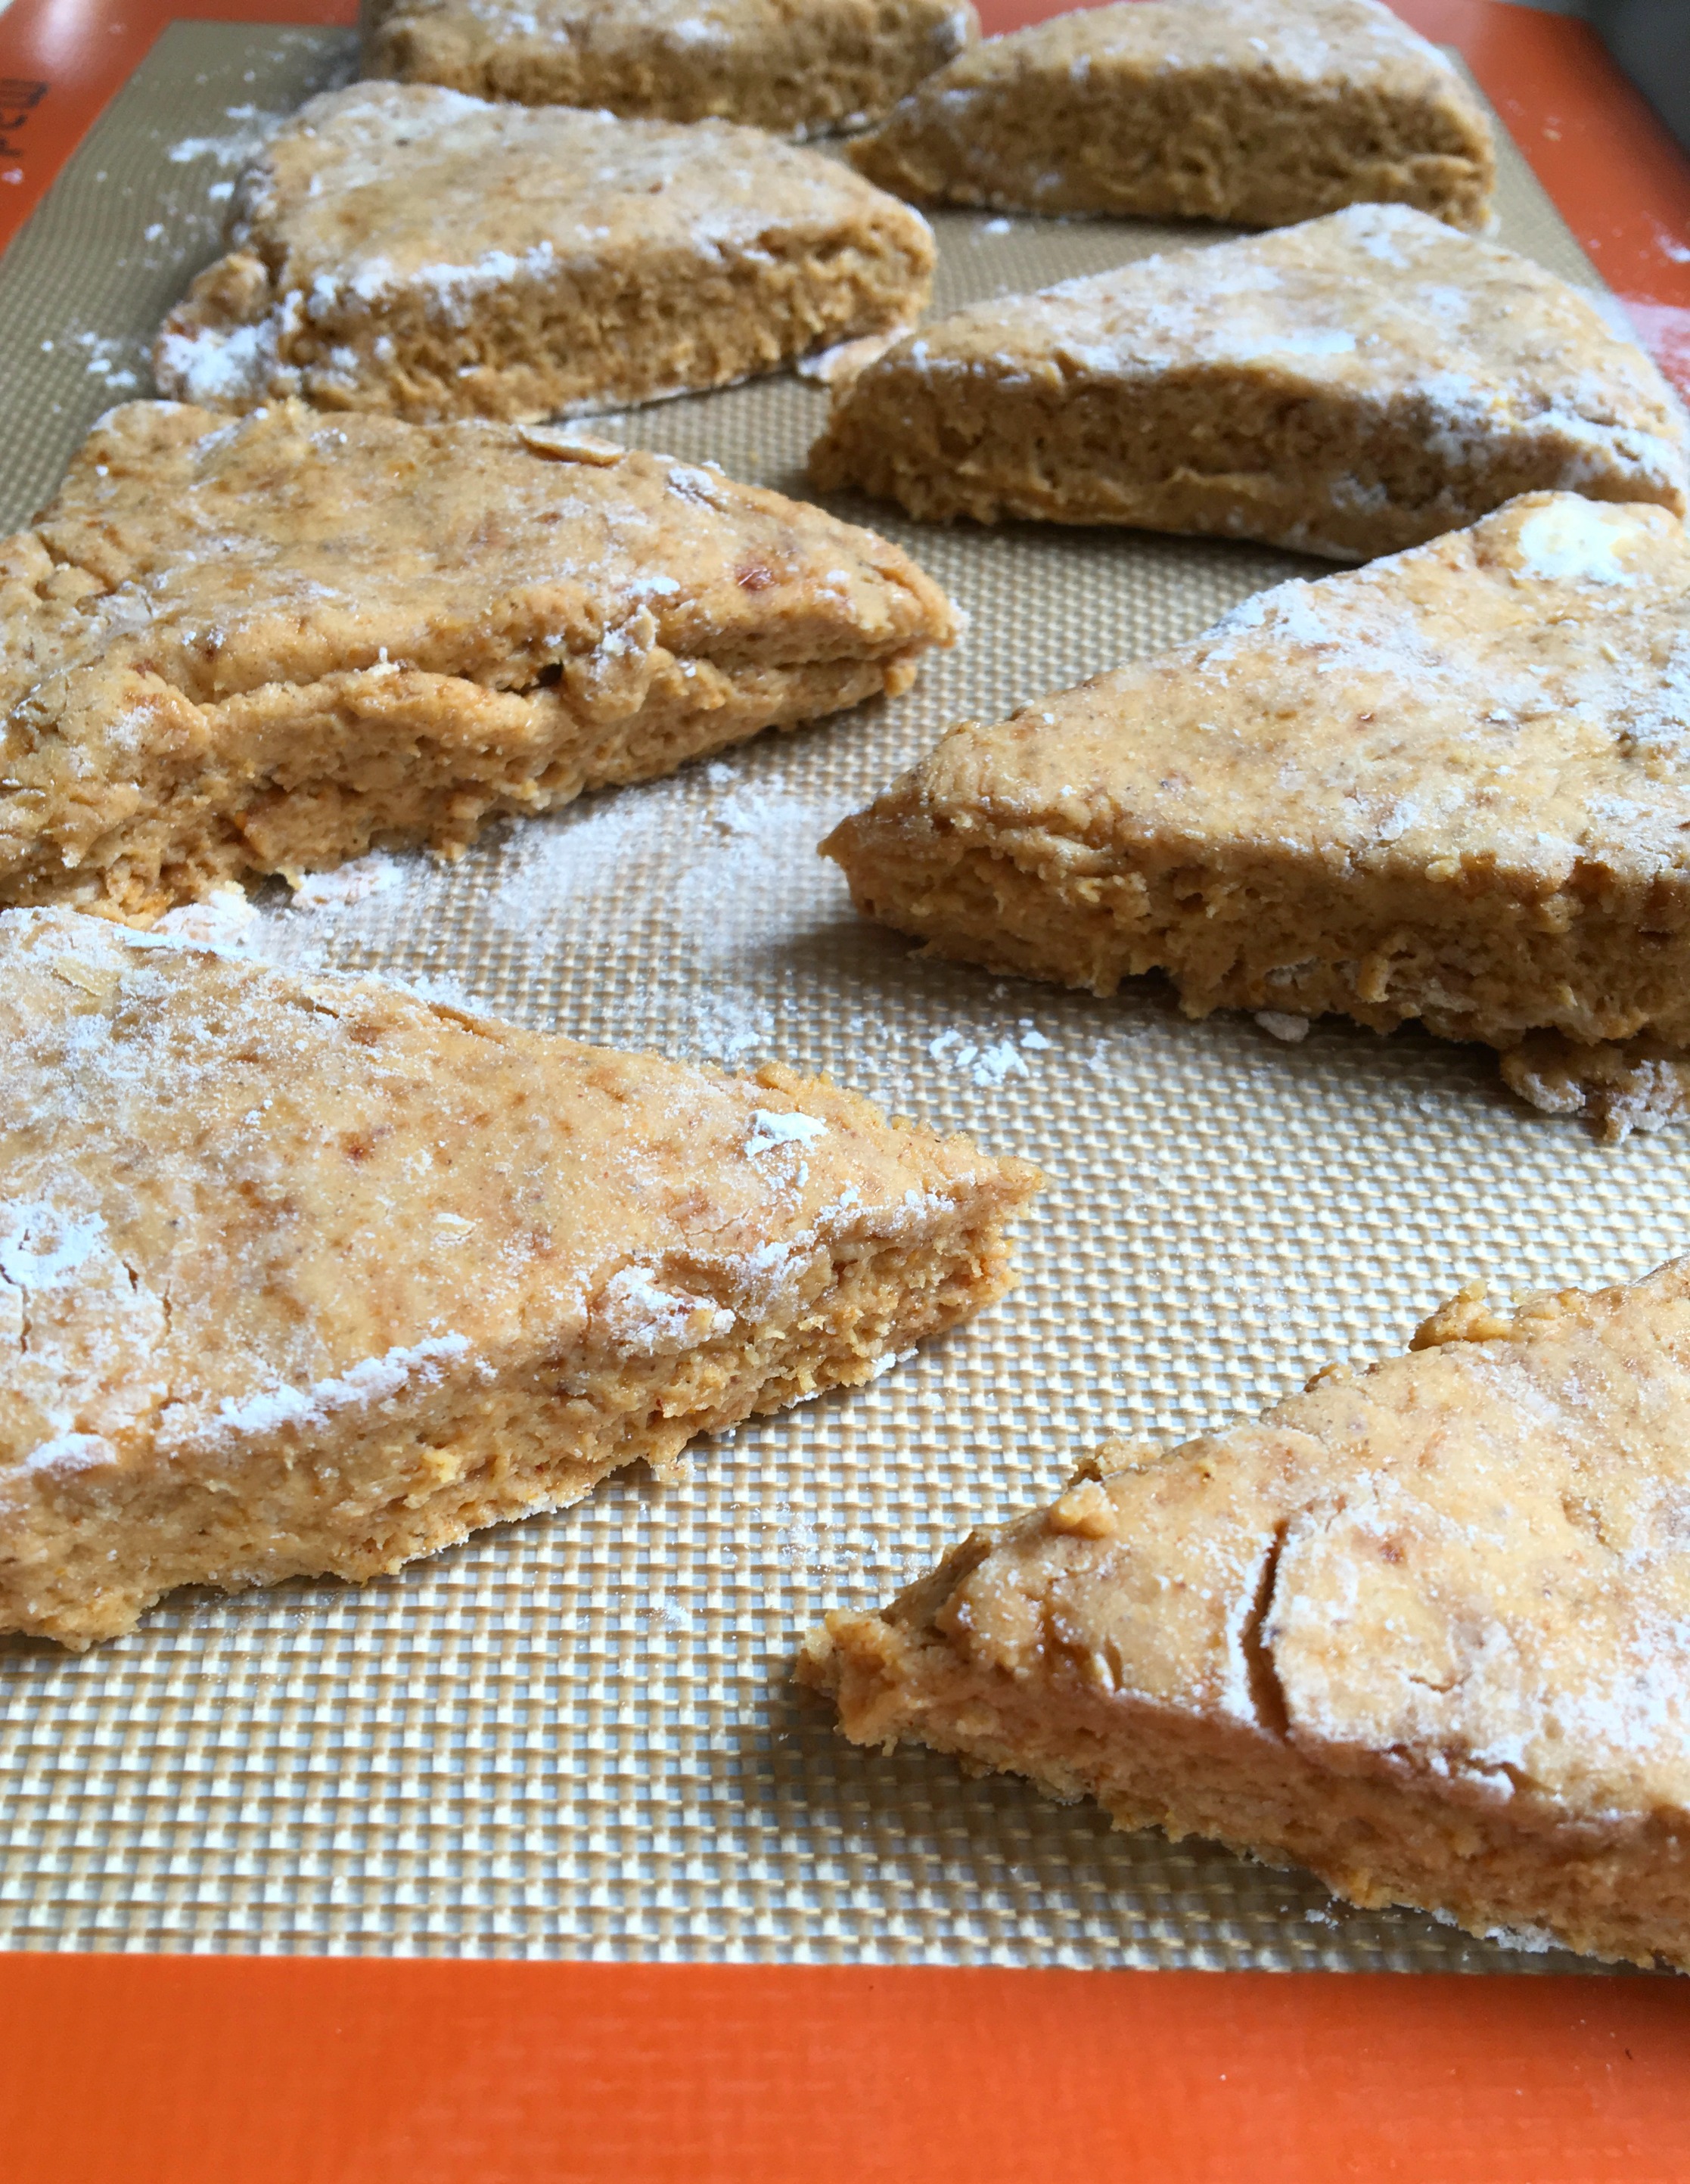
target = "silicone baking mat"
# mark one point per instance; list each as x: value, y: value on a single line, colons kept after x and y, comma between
x: 577, y: 1737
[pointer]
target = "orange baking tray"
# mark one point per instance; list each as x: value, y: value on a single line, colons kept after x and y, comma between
x: 136, y: 2069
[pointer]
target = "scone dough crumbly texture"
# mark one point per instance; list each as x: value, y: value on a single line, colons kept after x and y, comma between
x: 308, y: 1275
x: 1260, y: 112
x: 1349, y: 387
x: 1425, y: 1629
x: 260, y: 644
x: 1452, y: 786
x: 797, y: 67
x: 400, y: 247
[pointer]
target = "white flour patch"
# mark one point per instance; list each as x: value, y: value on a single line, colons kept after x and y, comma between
x: 116, y: 360
x: 719, y: 886
x: 986, y: 1060
x: 224, y: 920
x: 1576, y: 541
x: 348, y: 883
x: 769, y: 1130
x: 253, y: 131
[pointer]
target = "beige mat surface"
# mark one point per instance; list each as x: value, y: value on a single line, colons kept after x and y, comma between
x: 577, y: 1737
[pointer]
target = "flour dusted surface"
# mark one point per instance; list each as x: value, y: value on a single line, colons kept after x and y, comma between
x: 303, y: 1275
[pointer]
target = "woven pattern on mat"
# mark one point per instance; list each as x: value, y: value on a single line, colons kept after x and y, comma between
x: 576, y: 1736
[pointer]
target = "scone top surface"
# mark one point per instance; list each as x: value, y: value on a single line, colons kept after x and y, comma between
x: 217, y: 555
x: 1499, y: 718
x: 1513, y: 692
x: 1423, y: 1627
x: 235, y: 1200
x: 503, y: 239
x: 793, y: 66
x: 1428, y: 374
x: 335, y: 189
x: 1220, y: 92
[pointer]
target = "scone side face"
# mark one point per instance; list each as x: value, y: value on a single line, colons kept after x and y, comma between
x: 612, y: 296
x: 81, y: 1558
x: 796, y: 72
x: 1217, y: 451
x: 1620, y: 1892
x: 1275, y: 930
x: 1128, y: 138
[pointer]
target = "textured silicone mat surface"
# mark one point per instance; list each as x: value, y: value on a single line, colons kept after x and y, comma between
x: 576, y: 1736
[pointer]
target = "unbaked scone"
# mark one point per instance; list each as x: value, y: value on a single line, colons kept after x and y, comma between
x: 1256, y: 111
x: 260, y: 644
x: 797, y: 67
x: 1349, y: 387
x: 399, y: 247
x: 1452, y: 786
x: 307, y: 1275
x: 1423, y: 1628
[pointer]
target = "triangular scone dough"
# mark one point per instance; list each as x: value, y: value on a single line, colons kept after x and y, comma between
x: 1425, y: 1629
x: 1453, y: 785
x: 399, y: 247
x: 796, y: 69
x: 1257, y: 111
x: 1349, y: 387
x: 310, y: 1275
x: 259, y: 646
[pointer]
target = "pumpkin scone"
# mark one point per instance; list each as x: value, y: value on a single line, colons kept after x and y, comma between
x: 1453, y: 787
x: 1260, y: 112
x: 797, y: 67
x: 1349, y: 387
x: 400, y: 247
x: 1424, y: 1629
x: 262, y: 644
x: 305, y: 1275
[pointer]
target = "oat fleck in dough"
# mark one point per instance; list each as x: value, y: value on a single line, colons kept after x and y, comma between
x: 1453, y: 786
x: 1350, y: 386
x: 1261, y: 112
x: 1425, y: 1629
x: 399, y: 247
x: 304, y: 1276
x: 262, y: 644
x: 797, y: 67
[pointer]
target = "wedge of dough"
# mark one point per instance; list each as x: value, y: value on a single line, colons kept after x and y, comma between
x: 400, y: 247
x: 260, y: 645
x: 1260, y: 112
x: 302, y: 1276
x: 797, y: 67
x: 1425, y: 1629
x: 1453, y: 787
x: 1349, y: 387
